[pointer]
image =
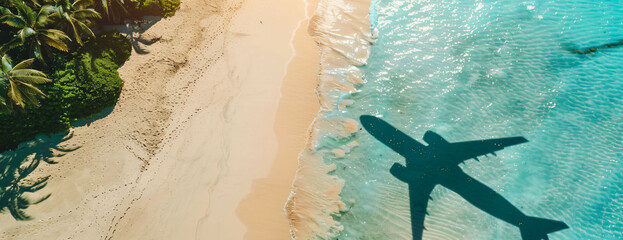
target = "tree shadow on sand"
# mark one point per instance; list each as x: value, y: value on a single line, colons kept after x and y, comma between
x: 87, y: 121
x: 16, y: 166
x: 134, y: 29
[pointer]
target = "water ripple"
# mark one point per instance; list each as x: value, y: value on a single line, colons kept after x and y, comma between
x: 474, y: 69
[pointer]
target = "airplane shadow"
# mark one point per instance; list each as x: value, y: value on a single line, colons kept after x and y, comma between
x: 438, y: 164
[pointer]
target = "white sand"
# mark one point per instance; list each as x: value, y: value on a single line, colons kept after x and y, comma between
x: 195, y: 133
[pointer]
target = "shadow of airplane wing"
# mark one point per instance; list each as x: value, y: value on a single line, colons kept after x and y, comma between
x: 419, y: 194
x: 420, y: 187
x: 461, y: 151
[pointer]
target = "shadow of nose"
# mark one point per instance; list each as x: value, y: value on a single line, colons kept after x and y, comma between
x: 366, y: 119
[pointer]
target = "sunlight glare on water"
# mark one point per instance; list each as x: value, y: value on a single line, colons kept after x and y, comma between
x: 483, y: 69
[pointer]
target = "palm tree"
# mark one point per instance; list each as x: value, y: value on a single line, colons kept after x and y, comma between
x: 32, y: 29
x: 18, y: 83
x: 76, y: 16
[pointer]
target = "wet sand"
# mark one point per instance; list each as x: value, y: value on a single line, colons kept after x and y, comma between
x: 262, y: 210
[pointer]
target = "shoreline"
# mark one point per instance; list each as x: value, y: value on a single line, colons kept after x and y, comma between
x: 194, y: 127
x: 262, y: 210
x: 342, y: 33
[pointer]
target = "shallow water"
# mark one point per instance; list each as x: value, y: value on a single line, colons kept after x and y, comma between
x: 483, y: 69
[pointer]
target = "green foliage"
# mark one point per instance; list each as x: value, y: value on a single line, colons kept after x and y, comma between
x: 18, y: 82
x: 24, y: 125
x: 86, y: 84
x: 82, y: 87
x: 163, y: 8
x: 84, y: 79
x: 75, y: 17
x: 31, y: 25
x: 112, y: 44
x: 90, y: 82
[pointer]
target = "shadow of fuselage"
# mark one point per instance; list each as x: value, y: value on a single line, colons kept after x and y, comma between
x: 438, y: 163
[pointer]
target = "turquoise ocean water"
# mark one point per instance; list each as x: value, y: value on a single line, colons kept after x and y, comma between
x: 484, y: 69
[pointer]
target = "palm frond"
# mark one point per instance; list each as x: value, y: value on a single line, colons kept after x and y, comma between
x: 31, y: 97
x: 74, y: 30
x: 84, y: 28
x: 25, y: 33
x: 55, y: 34
x: 106, y: 7
x: 55, y: 44
x: 32, y: 79
x: 55, y: 38
x: 15, y: 95
x: 15, y: 21
x: 44, y: 16
x: 24, y: 64
x: 19, y: 94
x: 30, y: 89
x: 26, y: 73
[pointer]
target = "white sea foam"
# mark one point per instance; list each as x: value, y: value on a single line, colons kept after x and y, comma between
x: 342, y: 32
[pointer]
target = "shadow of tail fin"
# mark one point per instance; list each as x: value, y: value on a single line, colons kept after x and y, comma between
x: 538, y: 228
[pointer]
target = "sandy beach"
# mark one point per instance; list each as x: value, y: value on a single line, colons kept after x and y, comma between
x: 203, y: 142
